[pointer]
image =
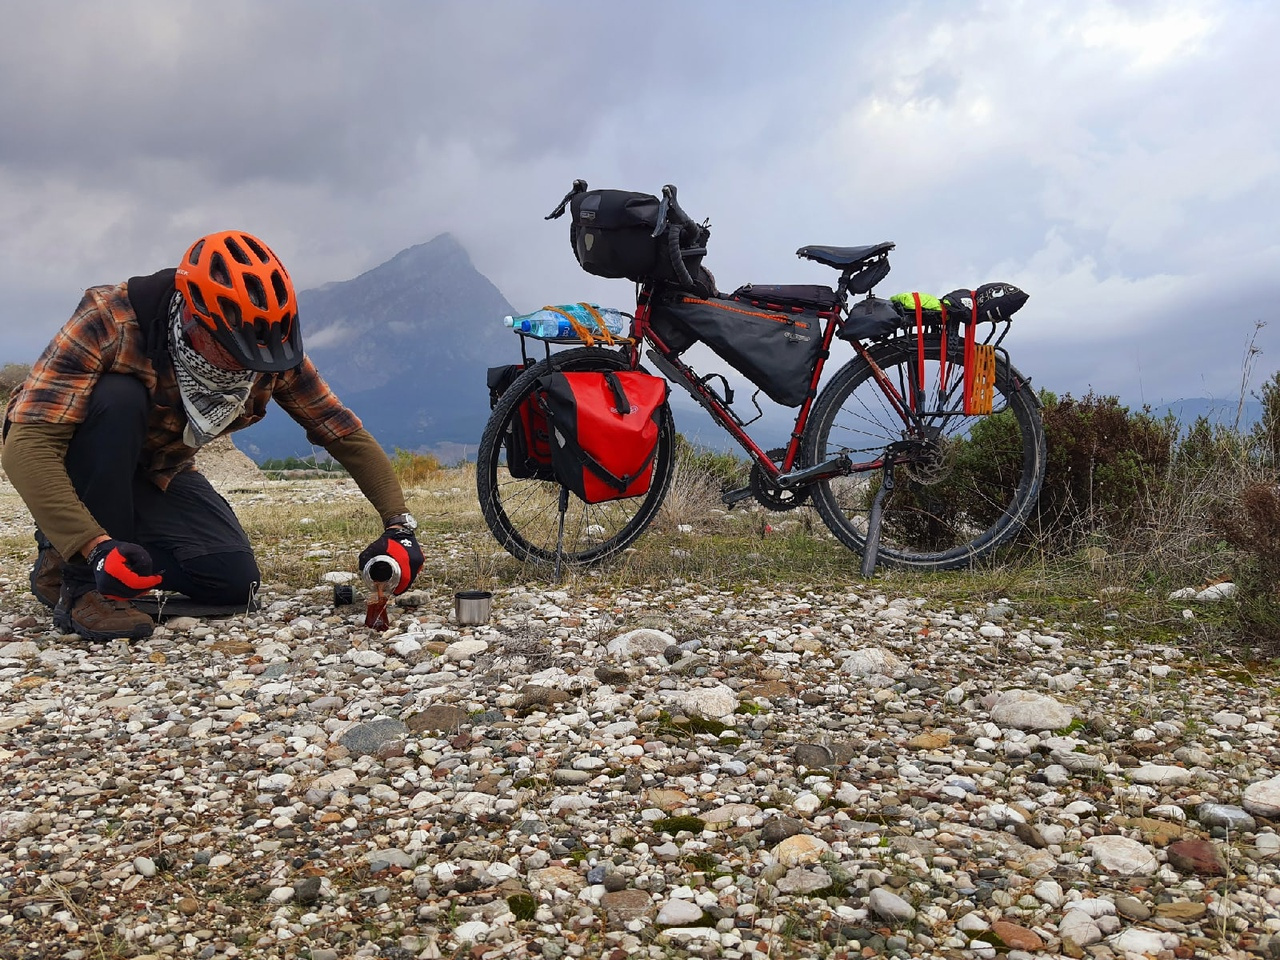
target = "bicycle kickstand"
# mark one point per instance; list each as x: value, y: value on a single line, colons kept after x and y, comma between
x: 564, y: 507
x: 872, y: 546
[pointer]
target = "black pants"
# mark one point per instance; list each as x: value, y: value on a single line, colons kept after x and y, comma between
x: 191, y: 532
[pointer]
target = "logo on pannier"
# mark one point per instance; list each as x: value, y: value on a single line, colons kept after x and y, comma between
x: 588, y: 239
x: 797, y: 337
x: 586, y: 214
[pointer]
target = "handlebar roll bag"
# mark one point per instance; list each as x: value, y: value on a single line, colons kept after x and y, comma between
x: 611, y: 232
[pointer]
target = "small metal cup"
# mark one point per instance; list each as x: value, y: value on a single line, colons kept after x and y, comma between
x: 472, y: 607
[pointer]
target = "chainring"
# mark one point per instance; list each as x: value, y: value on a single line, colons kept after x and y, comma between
x: 769, y: 494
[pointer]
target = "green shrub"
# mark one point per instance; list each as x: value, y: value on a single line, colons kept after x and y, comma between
x: 413, y: 467
x: 1106, y: 466
x: 726, y: 469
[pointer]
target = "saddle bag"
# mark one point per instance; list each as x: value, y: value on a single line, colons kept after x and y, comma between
x: 774, y: 349
x: 612, y: 236
x: 604, y: 431
x: 528, y: 438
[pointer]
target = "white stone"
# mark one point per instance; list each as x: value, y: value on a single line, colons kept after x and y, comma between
x: 338, y: 576
x: 1161, y: 774
x: 406, y: 646
x: 678, y: 913
x: 639, y: 643
x: 461, y: 650
x: 972, y: 922
x: 873, y: 661
x: 1267, y: 844
x: 1027, y: 710
x: 890, y: 906
x: 800, y: 849
x: 1093, y: 907
x: 1050, y: 892
x: 366, y: 658
x: 712, y: 703
x: 471, y: 931
x: 1263, y: 798
x: 1078, y: 927
x: 1143, y: 942
x: 1120, y: 855
x: 1219, y: 591
x: 1186, y: 593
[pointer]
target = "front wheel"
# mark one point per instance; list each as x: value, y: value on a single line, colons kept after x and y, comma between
x: 523, y: 513
x: 963, y: 484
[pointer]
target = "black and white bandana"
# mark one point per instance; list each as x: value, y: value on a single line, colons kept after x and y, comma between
x: 213, y: 398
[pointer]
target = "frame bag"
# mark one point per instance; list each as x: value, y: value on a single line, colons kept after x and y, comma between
x: 774, y: 349
x: 528, y: 439
x: 604, y: 431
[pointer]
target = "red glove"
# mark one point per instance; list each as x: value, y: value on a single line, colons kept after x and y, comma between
x: 122, y: 571
x: 398, y: 544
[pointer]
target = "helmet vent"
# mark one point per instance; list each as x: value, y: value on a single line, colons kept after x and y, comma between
x: 262, y: 331
x: 218, y: 271
x: 197, y: 300
x: 193, y: 256
x: 230, y: 311
x: 237, y: 252
x: 280, y: 289
x: 258, y: 249
x: 257, y: 293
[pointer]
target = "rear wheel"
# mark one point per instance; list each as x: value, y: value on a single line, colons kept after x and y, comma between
x: 524, y: 514
x: 963, y: 485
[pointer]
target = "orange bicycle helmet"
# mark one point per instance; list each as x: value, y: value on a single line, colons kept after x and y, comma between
x: 241, y: 292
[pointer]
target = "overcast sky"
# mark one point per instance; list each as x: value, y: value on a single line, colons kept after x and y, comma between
x: 1116, y: 160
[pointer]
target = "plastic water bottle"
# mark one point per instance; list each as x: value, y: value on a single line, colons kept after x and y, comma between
x: 547, y: 324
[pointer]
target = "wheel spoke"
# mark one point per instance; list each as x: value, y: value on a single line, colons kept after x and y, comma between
x: 963, y: 484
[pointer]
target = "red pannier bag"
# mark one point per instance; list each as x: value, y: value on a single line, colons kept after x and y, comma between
x: 604, y: 431
x: 528, y: 439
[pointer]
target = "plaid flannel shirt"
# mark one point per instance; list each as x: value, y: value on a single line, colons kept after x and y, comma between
x: 104, y: 336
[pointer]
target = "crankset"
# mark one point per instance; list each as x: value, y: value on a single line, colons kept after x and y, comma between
x: 769, y: 494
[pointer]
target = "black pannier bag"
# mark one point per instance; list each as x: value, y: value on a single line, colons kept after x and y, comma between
x: 870, y: 319
x: 612, y: 235
x: 604, y: 431
x: 775, y: 350
x: 528, y: 439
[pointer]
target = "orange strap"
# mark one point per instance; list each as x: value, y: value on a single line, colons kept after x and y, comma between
x: 584, y: 334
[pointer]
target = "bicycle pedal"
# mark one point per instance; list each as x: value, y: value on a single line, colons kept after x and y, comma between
x: 731, y: 497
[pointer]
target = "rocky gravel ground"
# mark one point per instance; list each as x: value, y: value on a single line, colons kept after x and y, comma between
x: 775, y: 770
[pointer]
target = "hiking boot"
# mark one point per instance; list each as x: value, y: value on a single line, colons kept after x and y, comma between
x: 46, y: 573
x: 94, y: 617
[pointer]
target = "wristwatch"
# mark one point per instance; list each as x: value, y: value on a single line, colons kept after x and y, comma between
x: 403, y: 520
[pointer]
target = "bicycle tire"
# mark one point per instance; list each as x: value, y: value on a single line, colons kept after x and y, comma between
x: 523, y: 514
x: 978, y: 488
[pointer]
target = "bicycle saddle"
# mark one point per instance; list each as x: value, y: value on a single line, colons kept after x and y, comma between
x: 844, y: 257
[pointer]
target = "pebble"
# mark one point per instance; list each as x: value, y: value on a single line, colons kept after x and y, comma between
x: 737, y: 765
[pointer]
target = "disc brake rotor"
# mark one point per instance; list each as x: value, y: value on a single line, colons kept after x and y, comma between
x: 931, y: 462
x: 769, y: 494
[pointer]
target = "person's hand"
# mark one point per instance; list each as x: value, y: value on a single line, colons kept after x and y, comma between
x: 400, y: 545
x: 122, y: 571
